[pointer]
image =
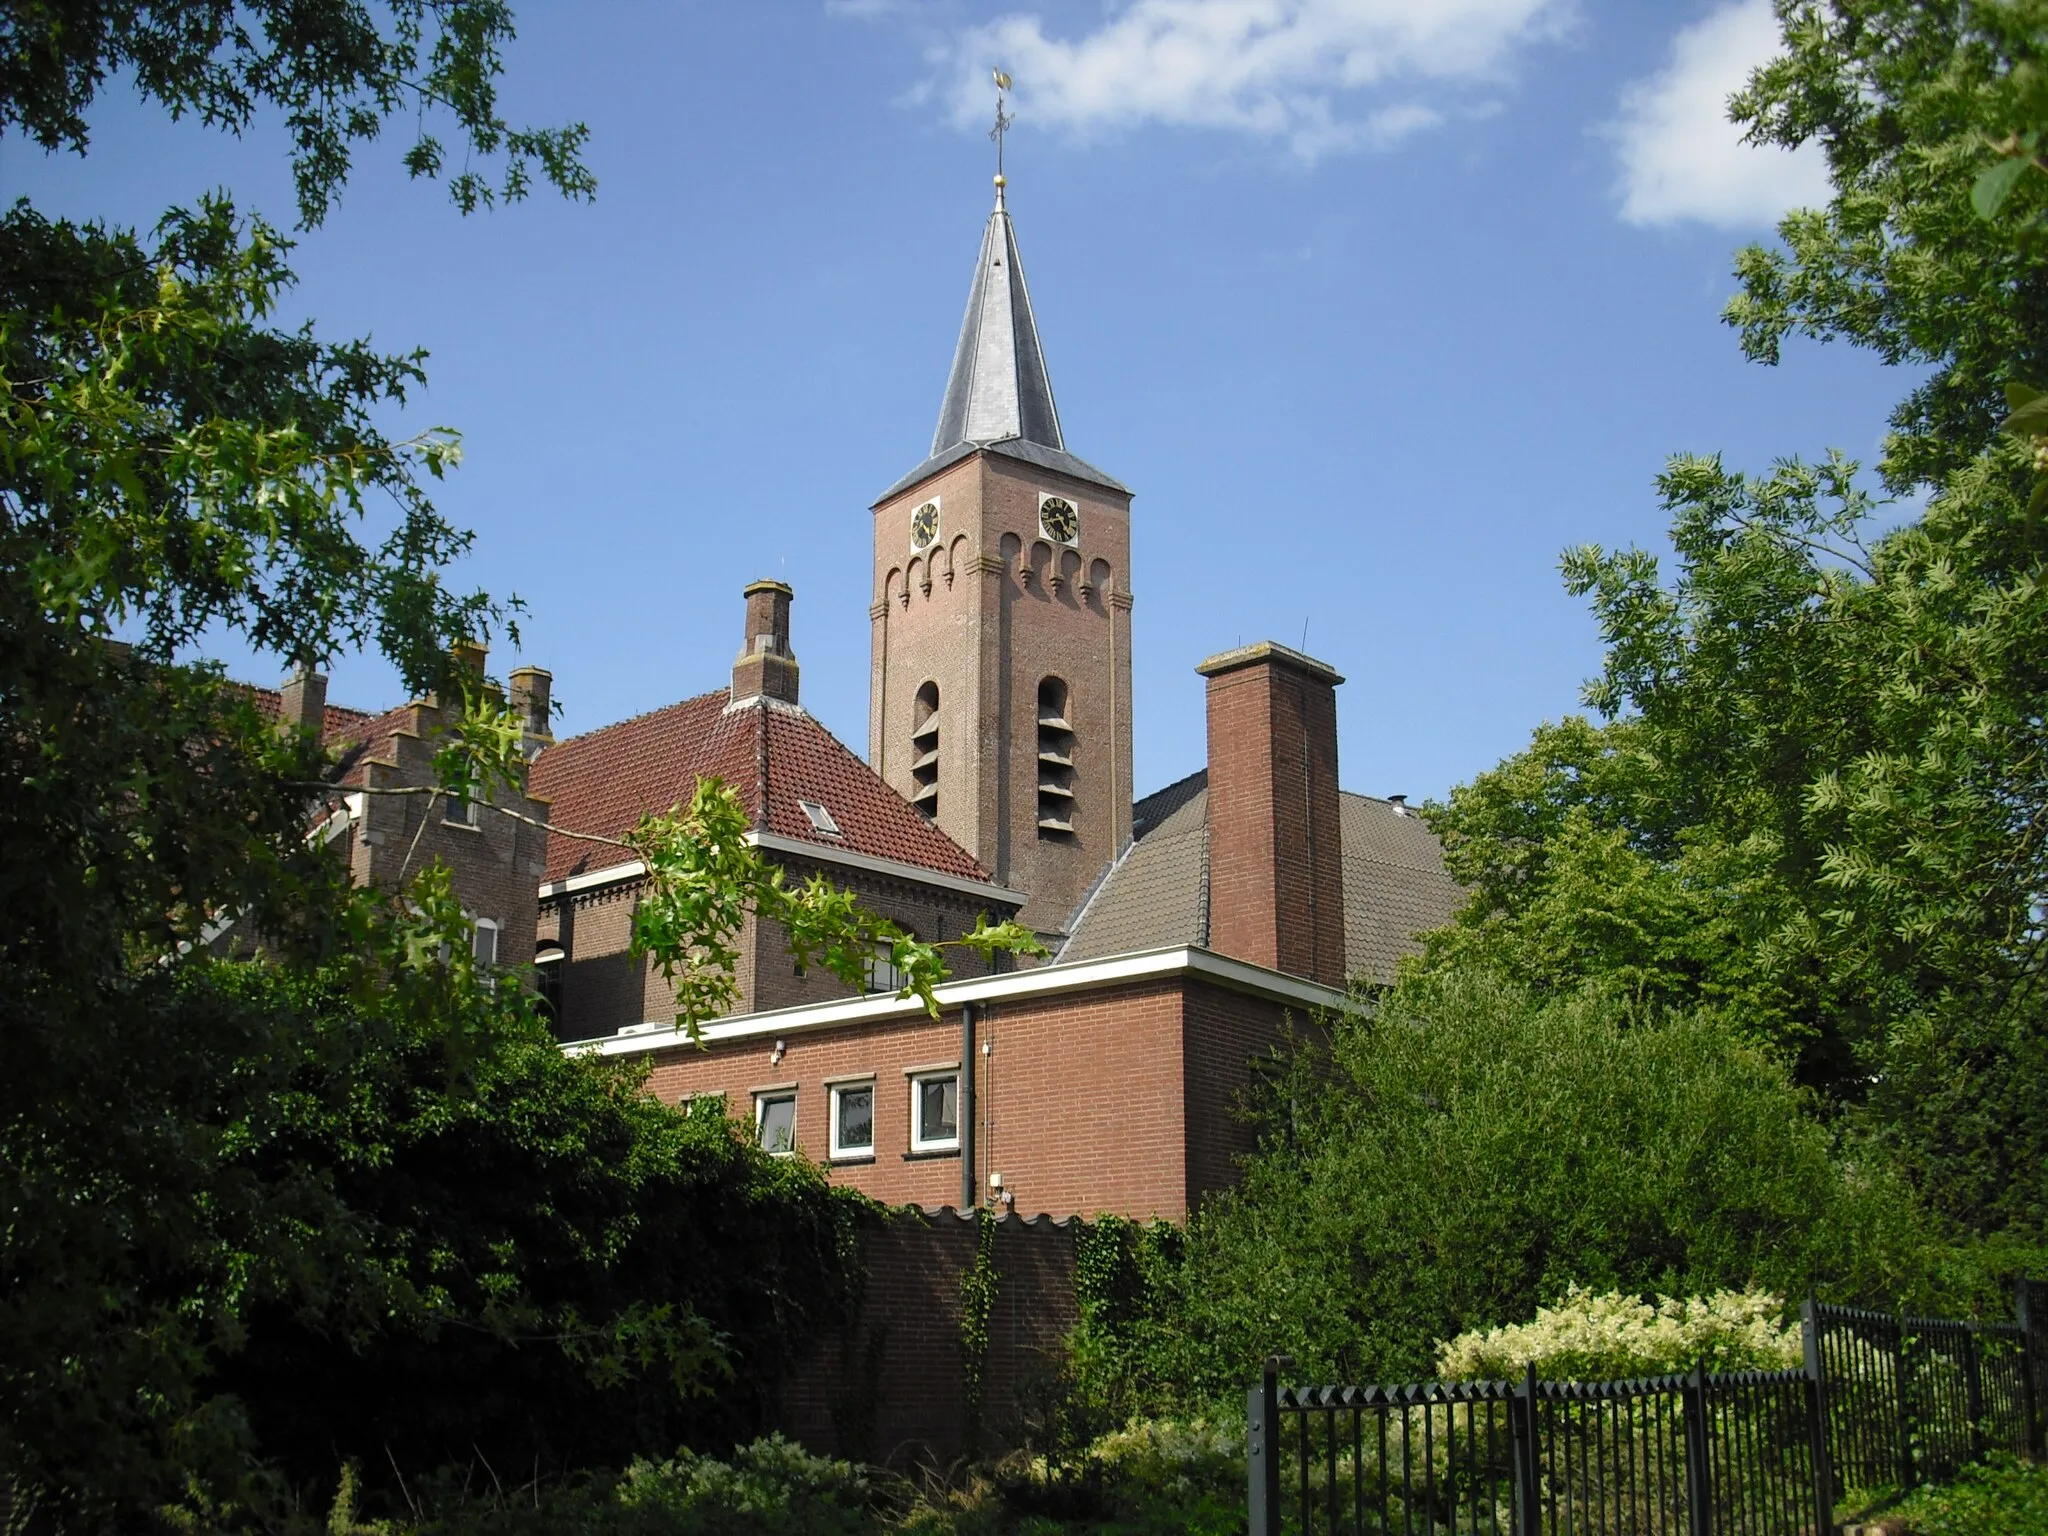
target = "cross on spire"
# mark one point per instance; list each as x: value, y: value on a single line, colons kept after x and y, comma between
x: 1003, y: 121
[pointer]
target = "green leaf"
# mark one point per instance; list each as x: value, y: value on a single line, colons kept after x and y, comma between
x: 1995, y: 185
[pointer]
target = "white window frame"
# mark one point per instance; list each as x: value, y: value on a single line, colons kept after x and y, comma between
x: 479, y: 926
x: 918, y: 1141
x: 820, y: 818
x: 885, y: 978
x: 840, y: 1151
x: 459, y: 810
x: 763, y: 1097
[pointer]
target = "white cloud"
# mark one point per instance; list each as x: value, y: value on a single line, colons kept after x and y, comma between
x: 1316, y: 75
x: 1680, y: 156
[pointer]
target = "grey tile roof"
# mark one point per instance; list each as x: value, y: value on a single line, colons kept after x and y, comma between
x: 998, y: 388
x: 1157, y: 894
x: 999, y: 396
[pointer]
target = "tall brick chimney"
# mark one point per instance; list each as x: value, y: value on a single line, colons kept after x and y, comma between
x: 302, y: 701
x: 531, y: 690
x: 766, y: 665
x: 1276, y: 874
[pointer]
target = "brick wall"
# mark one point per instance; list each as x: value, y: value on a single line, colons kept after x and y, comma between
x: 1276, y: 885
x: 986, y: 612
x: 1121, y: 1100
x: 496, y: 862
x: 603, y: 991
x: 890, y: 1388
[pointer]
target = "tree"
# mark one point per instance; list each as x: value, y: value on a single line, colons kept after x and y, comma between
x: 189, y: 1162
x: 1817, y: 803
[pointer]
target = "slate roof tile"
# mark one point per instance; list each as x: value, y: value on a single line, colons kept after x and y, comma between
x: 1395, y: 883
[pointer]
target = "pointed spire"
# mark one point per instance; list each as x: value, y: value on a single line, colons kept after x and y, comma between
x: 998, y: 398
x: 999, y: 388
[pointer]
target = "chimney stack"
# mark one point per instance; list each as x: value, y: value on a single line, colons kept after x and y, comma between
x: 766, y: 667
x: 531, y: 691
x: 1276, y: 872
x: 302, y: 701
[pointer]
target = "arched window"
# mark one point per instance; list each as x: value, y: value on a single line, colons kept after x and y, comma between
x: 1055, y: 761
x: 924, y: 750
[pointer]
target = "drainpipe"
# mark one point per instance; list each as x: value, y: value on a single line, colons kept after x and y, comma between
x: 969, y: 1191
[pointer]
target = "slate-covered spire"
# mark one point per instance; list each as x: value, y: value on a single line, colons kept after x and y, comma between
x: 999, y: 388
x: 998, y: 398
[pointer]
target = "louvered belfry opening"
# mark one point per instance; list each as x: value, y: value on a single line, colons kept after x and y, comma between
x: 1055, y: 761
x: 924, y: 750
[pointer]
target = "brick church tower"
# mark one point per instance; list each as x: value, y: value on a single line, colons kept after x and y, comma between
x: 1000, y: 696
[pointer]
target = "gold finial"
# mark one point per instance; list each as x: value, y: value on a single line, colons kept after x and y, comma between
x: 1003, y: 121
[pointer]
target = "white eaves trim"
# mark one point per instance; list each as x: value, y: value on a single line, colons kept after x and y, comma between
x: 609, y: 875
x: 775, y: 842
x: 1045, y: 981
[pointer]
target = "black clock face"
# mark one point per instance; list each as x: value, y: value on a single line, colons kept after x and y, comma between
x: 1057, y: 517
x: 924, y: 525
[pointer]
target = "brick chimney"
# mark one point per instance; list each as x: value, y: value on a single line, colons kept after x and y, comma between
x: 1276, y: 878
x: 532, y: 689
x: 302, y: 701
x: 766, y: 667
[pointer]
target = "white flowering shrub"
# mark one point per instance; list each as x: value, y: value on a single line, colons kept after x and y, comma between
x: 1588, y: 1337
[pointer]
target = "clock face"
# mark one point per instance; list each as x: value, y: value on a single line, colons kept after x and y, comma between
x: 1058, y: 519
x: 924, y: 525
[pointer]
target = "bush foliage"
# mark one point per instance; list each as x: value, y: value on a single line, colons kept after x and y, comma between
x: 1465, y: 1151
x: 1586, y: 1337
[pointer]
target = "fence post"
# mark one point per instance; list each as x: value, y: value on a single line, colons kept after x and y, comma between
x: 2030, y: 1363
x: 1902, y: 1365
x: 1522, y: 1429
x: 1973, y: 1381
x: 1262, y: 1450
x: 1698, y: 1466
x: 1817, y: 1409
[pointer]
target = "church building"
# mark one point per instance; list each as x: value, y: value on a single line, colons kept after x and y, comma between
x: 1186, y: 928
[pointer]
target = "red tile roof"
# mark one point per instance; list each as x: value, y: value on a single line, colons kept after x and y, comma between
x: 340, y: 723
x: 604, y: 782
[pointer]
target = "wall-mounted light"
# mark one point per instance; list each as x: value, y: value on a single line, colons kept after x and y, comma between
x: 775, y: 1056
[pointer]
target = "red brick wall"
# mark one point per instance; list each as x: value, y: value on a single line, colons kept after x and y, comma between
x: 1226, y: 1032
x: 890, y: 1389
x: 1276, y: 886
x: 1079, y: 1099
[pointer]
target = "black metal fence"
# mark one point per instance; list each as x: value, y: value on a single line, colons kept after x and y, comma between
x: 1882, y: 1402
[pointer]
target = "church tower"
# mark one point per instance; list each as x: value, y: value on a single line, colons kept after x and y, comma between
x: 1000, y: 695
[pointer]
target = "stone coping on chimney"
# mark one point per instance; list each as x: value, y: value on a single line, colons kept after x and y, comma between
x: 1273, y: 651
x: 1043, y: 981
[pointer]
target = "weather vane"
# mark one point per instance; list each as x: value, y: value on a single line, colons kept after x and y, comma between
x: 1003, y: 121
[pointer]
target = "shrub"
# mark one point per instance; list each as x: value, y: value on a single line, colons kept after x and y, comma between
x: 1603, y: 1338
x: 2006, y: 1497
x: 1465, y: 1150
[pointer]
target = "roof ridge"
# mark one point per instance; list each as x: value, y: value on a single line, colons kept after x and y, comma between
x: 644, y: 714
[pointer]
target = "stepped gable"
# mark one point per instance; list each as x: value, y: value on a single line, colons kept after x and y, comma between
x: 1157, y: 895
x: 605, y: 781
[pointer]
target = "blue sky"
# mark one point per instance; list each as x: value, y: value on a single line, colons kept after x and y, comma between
x: 1378, y: 305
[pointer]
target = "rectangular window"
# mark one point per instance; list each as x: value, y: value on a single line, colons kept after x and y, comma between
x: 884, y: 975
x: 459, y: 810
x: 935, y: 1112
x: 853, y: 1120
x: 484, y: 941
x: 775, y: 1122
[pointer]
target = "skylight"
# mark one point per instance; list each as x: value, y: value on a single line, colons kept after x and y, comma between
x: 821, y: 819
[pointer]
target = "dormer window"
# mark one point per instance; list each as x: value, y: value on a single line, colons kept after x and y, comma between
x: 821, y: 819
